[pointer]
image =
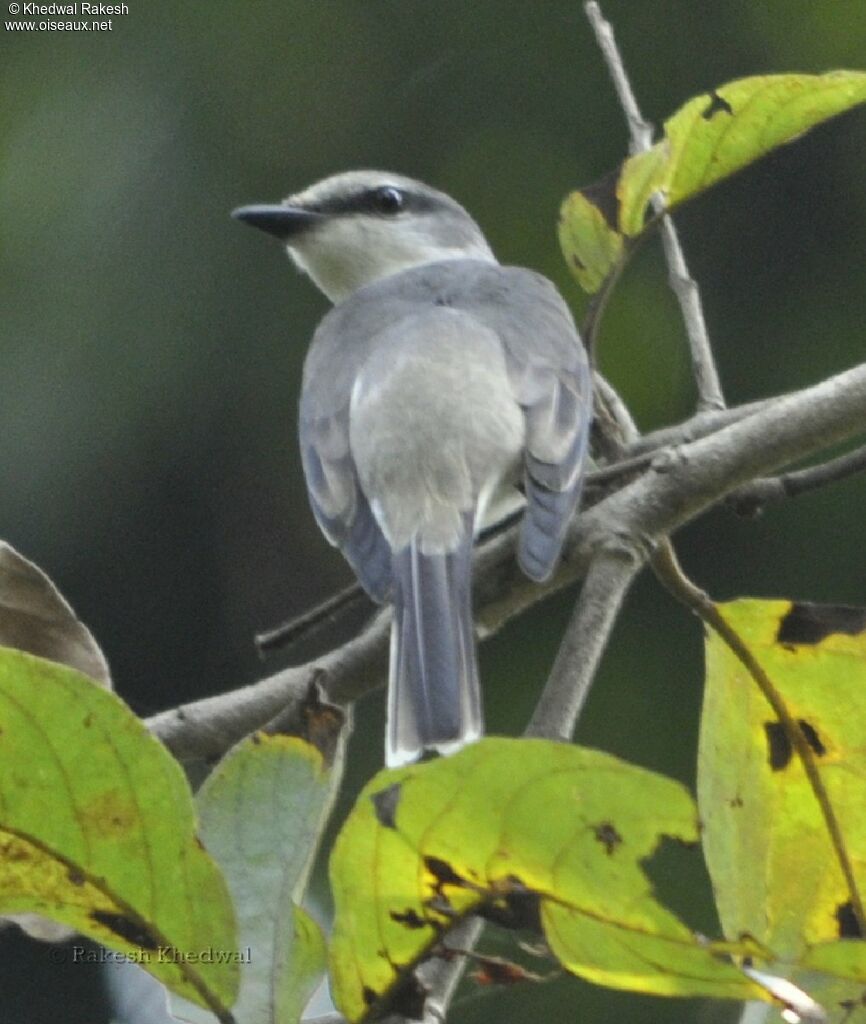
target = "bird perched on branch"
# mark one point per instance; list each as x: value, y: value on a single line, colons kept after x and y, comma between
x: 438, y: 384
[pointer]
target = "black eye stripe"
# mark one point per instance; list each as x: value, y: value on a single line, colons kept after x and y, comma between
x: 370, y: 200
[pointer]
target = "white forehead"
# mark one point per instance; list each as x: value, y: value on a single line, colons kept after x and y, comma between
x: 350, y: 182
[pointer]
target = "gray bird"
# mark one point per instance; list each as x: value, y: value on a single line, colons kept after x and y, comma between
x: 439, y: 384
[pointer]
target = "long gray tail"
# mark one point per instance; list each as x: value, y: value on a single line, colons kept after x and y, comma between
x: 434, y: 700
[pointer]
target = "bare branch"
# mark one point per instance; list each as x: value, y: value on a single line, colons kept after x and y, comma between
x: 751, y: 499
x: 684, y: 286
x: 612, y: 422
x: 607, y: 581
x: 629, y: 451
x: 441, y: 977
x: 312, y: 620
x: 690, y: 478
x: 699, y: 425
x: 641, y: 131
x: 206, y: 728
x: 688, y: 295
x: 611, y: 569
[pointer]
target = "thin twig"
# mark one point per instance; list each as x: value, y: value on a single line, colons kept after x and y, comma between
x: 669, y: 572
x: 684, y: 286
x: 751, y: 499
x: 617, y: 471
x: 442, y: 976
x: 618, y: 429
x: 310, y: 621
x: 641, y: 131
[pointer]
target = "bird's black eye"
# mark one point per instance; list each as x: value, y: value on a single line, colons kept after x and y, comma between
x: 388, y: 199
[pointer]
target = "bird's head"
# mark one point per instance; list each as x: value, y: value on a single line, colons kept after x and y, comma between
x: 354, y: 228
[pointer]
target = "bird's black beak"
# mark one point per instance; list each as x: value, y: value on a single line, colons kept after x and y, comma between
x: 283, y: 221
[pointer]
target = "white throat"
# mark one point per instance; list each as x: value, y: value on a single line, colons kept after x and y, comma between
x: 347, y: 253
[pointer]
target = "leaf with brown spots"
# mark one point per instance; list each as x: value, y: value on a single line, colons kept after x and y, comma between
x: 97, y: 829
x: 771, y: 859
x: 528, y: 833
x: 708, y: 139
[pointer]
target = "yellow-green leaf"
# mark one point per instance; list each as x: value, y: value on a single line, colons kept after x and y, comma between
x: 97, y: 831
x: 591, y: 241
x: 711, y: 137
x: 641, y: 176
x: 773, y: 865
x: 719, y: 133
x: 517, y: 824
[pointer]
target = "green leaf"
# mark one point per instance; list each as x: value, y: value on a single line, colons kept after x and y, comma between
x: 97, y: 831
x: 35, y: 617
x: 536, y: 829
x: 773, y: 866
x: 708, y: 139
x: 589, y: 236
x: 714, y: 136
x: 262, y: 813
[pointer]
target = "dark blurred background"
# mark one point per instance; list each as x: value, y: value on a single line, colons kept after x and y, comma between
x: 151, y: 347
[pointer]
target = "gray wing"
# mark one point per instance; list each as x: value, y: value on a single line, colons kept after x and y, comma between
x: 338, y: 503
x: 549, y: 371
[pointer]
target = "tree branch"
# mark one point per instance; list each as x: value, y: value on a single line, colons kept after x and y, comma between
x: 699, y: 425
x: 442, y: 976
x: 750, y: 499
x: 641, y: 131
x: 679, y: 484
x: 629, y: 453
x: 608, y: 578
x: 311, y: 620
x: 684, y: 286
x: 205, y: 729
